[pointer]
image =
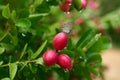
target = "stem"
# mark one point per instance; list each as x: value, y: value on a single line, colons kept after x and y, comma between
x: 22, y: 62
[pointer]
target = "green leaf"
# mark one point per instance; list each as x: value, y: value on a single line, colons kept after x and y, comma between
x: 37, y: 3
x: 13, y: 15
x: 85, y: 38
x: 6, y: 12
x: 93, y: 40
x: 24, y: 50
x: 102, y: 44
x: 87, y: 73
x: 1, y: 62
x: 38, y: 15
x: 35, y: 55
x: 5, y: 79
x: 43, y: 8
x: 2, y: 50
x: 23, y: 23
x: 30, y: 54
x: 92, y: 70
x: 69, y: 44
x: 39, y: 61
x: 77, y: 4
x: 94, y: 60
x: 106, y: 43
x: 12, y: 70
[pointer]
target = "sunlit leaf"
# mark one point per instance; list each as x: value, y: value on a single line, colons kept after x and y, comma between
x: 6, y: 12
x: 1, y: 62
x: 23, y: 23
x: 12, y: 70
x: 39, y: 61
x: 85, y: 38
x: 5, y: 79
x: 2, y: 50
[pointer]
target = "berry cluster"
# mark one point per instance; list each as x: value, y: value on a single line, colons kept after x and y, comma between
x: 78, y: 4
x: 52, y: 57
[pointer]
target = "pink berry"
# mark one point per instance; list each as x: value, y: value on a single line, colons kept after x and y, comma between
x: 60, y: 41
x: 68, y: 1
x: 64, y: 7
x: 65, y: 62
x: 84, y: 4
x: 50, y: 57
x: 79, y: 21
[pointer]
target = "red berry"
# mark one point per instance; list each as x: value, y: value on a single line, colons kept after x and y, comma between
x: 64, y: 7
x: 65, y: 62
x: 60, y: 41
x: 84, y: 4
x: 68, y: 1
x: 50, y: 57
x: 50, y: 78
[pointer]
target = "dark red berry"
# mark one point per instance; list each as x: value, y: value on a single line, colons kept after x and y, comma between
x: 60, y: 41
x: 50, y: 57
x: 84, y: 4
x: 64, y: 6
x: 68, y: 1
x: 65, y: 62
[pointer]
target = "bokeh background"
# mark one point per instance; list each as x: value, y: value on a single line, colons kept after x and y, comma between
x: 109, y: 12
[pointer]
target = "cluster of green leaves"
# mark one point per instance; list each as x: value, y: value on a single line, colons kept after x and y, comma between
x: 27, y: 28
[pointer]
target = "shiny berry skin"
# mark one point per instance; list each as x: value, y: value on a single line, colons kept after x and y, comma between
x: 65, y: 62
x: 84, y: 4
x: 50, y: 57
x: 60, y: 41
x: 64, y: 6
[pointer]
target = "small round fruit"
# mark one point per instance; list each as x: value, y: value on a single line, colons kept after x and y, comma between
x: 65, y: 62
x: 50, y: 57
x: 60, y: 41
x: 65, y: 7
x: 84, y: 4
x: 68, y: 1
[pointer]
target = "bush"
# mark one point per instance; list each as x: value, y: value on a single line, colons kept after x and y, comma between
x: 27, y: 30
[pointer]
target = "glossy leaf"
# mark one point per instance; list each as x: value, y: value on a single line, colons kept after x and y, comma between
x: 102, y: 44
x: 23, y: 23
x: 35, y: 55
x: 93, y: 40
x: 85, y: 38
